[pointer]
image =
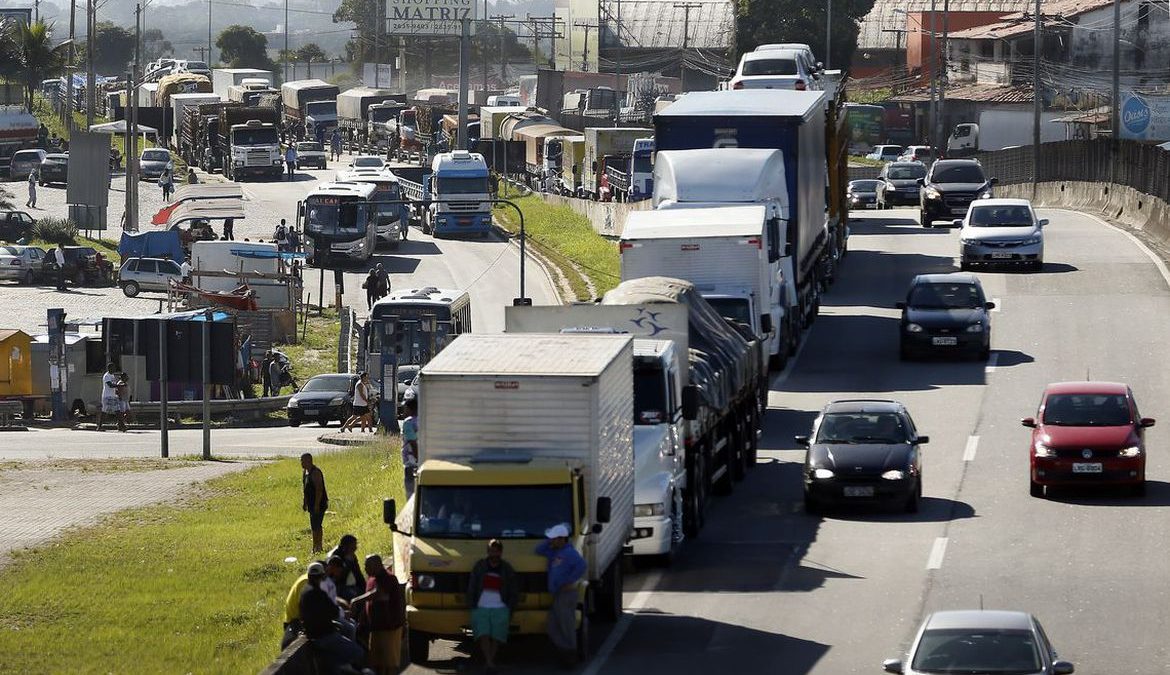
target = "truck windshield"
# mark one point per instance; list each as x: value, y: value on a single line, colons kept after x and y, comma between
x: 462, y: 186
x: 378, y: 115
x: 506, y: 511
x: 650, y: 400
x: 321, y: 108
x: 255, y: 137
x: 330, y: 215
x: 732, y: 309
x: 642, y: 164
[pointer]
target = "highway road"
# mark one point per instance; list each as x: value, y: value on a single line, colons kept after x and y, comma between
x: 768, y: 588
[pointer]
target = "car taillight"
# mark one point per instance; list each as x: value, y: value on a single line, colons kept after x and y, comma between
x: 800, y: 85
x: 737, y: 85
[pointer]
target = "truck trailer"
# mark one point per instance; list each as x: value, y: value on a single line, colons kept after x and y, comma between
x: 310, y: 108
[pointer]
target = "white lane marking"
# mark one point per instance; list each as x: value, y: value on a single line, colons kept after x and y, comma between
x: 998, y: 304
x: 1137, y: 242
x: 992, y: 362
x: 935, y: 561
x: 972, y: 446
x: 639, y: 601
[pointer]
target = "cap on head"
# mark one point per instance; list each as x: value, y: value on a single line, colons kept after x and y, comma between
x: 316, y: 569
x: 557, y: 531
x: 336, y: 561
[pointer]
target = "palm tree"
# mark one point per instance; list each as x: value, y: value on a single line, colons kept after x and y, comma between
x: 36, y: 57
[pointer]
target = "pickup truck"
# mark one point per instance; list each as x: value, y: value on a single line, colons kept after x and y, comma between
x: 310, y: 153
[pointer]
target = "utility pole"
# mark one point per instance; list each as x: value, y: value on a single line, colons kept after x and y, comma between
x: 943, y: 56
x: 90, y: 76
x: 933, y: 122
x: 1116, y: 122
x: 829, y: 35
x: 464, y: 65
x: 585, y: 49
x: 284, y: 56
x: 402, y: 64
x: 377, y: 42
x: 1036, y: 102
x: 132, y: 129
x: 72, y: 64
x: 36, y: 11
x: 483, y: 46
x: 617, y: 58
x: 202, y: 51
x: 208, y: 59
x: 686, y: 7
x: 503, y: 48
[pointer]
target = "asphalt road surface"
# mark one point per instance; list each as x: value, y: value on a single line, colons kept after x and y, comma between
x: 770, y: 589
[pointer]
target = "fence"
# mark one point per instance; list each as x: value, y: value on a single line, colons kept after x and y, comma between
x: 1142, y: 167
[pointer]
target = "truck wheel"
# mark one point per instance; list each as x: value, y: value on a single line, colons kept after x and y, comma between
x: 696, y: 499
x: 609, y: 606
x: 583, y: 638
x: 419, y: 645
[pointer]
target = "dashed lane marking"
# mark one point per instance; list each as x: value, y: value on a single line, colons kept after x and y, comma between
x: 972, y: 446
x: 937, y: 552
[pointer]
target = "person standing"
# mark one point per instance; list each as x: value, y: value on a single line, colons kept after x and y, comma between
x: 409, y: 445
x: 265, y: 373
x: 281, y: 235
x: 185, y: 270
x: 111, y: 404
x: 492, y: 595
x: 316, y: 498
x: 383, y: 617
x: 565, y: 569
x: 362, y: 398
x: 32, y: 188
x: 335, y: 144
x: 59, y: 257
x: 275, y: 376
x: 290, y: 160
x: 371, y: 286
x: 167, y: 182
x: 383, y: 280
x: 229, y: 229
x: 293, y: 239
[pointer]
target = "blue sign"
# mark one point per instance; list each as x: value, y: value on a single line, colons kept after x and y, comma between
x: 1135, y: 116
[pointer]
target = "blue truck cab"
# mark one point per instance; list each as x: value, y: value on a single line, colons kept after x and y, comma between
x: 458, y: 186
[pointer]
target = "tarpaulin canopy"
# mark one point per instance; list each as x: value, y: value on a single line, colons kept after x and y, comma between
x: 215, y: 209
x: 197, y: 192
x: 164, y: 244
x: 119, y: 127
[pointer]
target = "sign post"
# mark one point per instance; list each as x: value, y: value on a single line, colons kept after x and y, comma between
x: 58, y: 363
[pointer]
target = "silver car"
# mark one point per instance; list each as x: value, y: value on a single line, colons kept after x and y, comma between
x: 148, y: 274
x: 980, y: 641
x: 153, y: 162
x: 24, y: 161
x: 1001, y: 231
x: 21, y: 263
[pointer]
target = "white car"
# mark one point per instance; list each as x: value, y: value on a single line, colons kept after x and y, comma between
x: 775, y: 69
x: 886, y: 153
x: 1001, y: 231
x: 21, y: 263
x: 363, y: 163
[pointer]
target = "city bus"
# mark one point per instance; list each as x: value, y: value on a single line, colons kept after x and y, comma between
x: 866, y: 127
x: 337, y: 220
x: 418, y: 322
x: 391, y: 216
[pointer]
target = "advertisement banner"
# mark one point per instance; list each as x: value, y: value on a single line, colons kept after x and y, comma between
x: 1145, y: 118
x: 430, y: 17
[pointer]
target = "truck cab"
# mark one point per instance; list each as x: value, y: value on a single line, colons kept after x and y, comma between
x: 458, y: 186
x: 963, y: 141
x: 320, y: 119
x: 255, y: 150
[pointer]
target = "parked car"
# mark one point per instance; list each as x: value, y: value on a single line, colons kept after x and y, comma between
x: 949, y: 188
x: 153, y: 162
x: 412, y: 390
x: 862, y: 452
x: 886, y: 153
x: 310, y: 153
x: 55, y: 169
x: 193, y: 67
x: 899, y: 184
x: 15, y: 225
x: 323, y: 398
x: 775, y: 69
x: 980, y: 641
x: 803, y: 51
x: 406, y: 376
x: 84, y: 266
x: 1001, y: 231
x: 23, y: 162
x: 21, y: 263
x: 947, y: 314
x: 862, y: 194
x: 918, y: 153
x: 367, y: 162
x: 148, y: 274
x: 1087, y: 433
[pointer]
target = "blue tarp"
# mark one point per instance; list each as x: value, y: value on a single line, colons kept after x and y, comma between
x: 155, y: 244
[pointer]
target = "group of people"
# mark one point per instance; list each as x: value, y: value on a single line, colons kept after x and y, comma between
x: 275, y: 372
x: 377, y: 285
x: 353, y: 613
x: 166, y: 181
x: 287, y: 239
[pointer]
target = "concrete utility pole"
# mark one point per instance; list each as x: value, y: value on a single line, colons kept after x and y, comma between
x: 1036, y: 101
x: 933, y: 122
x: 503, y: 48
x: 584, y: 49
x: 686, y: 7
x: 377, y: 34
x: 943, y: 57
x: 90, y: 76
x: 72, y: 64
x: 483, y: 47
x: 402, y: 64
x: 464, y: 65
x: 1116, y: 122
x: 284, y: 54
x: 829, y: 35
x: 208, y: 59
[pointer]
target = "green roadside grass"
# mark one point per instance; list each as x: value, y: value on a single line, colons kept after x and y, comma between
x: 568, y: 240
x: 317, y: 353
x: 196, y: 586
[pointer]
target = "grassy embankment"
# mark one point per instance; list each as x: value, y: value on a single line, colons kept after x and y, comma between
x: 194, y: 586
x: 317, y: 352
x: 566, y: 239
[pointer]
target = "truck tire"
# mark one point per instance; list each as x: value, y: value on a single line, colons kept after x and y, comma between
x: 419, y: 646
x: 609, y: 600
x: 583, y: 638
x: 695, y: 499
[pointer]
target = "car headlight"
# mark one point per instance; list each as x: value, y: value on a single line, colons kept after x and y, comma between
x: 648, y: 510
x: 1131, y: 451
x: 1030, y: 241
x: 239, y: 162
x: 1044, y: 451
x: 968, y: 242
x: 822, y: 474
x: 894, y: 474
x: 931, y: 193
x: 337, y: 400
x: 424, y: 582
x: 975, y: 328
x: 293, y: 403
x: 913, y: 328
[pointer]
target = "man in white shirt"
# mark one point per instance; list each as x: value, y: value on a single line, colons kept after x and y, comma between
x: 59, y: 257
x: 111, y: 404
x: 335, y: 572
x: 185, y: 270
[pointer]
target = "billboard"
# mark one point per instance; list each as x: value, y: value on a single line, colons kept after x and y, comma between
x: 1145, y: 118
x: 430, y: 17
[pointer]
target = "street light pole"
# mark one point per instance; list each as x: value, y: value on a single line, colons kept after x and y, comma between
x: 1036, y: 102
x: 285, y: 53
x: 829, y: 35
x: 1115, y: 143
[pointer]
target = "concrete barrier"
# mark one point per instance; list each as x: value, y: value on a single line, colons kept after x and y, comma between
x: 608, y: 218
x: 296, y: 659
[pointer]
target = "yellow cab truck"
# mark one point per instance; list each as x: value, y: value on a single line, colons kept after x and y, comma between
x: 517, y: 433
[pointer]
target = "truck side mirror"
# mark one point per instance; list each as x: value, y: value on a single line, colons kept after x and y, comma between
x: 604, y: 507
x: 690, y: 402
x: 389, y: 512
x: 766, y: 323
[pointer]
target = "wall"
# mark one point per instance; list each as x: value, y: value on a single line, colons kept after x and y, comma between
x: 1144, y: 28
x: 608, y: 218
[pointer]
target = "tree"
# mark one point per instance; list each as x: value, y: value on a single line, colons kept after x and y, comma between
x: 365, y: 14
x: 242, y: 47
x: 113, y: 48
x: 155, y: 45
x: 311, y: 53
x: 762, y: 21
x: 31, y: 55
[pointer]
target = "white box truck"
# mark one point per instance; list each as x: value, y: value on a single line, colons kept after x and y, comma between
x: 223, y: 79
x: 517, y: 433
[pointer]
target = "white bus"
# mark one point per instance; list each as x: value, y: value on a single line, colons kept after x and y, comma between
x: 390, y: 215
x: 338, y: 223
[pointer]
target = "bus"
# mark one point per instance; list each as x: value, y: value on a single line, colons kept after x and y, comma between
x: 419, y: 322
x: 866, y: 127
x: 337, y: 221
x: 390, y: 214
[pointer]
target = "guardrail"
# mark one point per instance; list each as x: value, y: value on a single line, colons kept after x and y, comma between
x: 239, y: 407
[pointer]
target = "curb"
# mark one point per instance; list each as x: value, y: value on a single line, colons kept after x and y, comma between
x: 349, y: 441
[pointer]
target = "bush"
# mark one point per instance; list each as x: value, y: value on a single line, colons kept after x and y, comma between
x: 55, y: 230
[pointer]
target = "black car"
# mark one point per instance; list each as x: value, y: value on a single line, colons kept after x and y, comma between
x: 945, y: 313
x: 84, y: 266
x: 949, y: 188
x: 862, y: 194
x: 15, y: 225
x: 323, y: 398
x: 55, y: 169
x: 862, y: 452
x: 898, y: 184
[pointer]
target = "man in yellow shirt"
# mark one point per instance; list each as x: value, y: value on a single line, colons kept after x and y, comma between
x: 292, y: 604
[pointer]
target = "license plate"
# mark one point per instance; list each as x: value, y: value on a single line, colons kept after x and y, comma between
x: 309, y: 413
x: 944, y: 341
x: 871, y: 205
x: 1087, y: 467
x: 1001, y: 256
x: 859, y: 491
x: 959, y: 210
x: 464, y: 221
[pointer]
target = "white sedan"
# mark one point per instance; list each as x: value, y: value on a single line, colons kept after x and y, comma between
x: 1001, y: 231
x: 21, y: 263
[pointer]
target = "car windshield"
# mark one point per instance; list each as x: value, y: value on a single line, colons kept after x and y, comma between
x: 506, y: 511
x: 891, y: 150
x: 337, y: 383
x: 962, y: 173
x: 770, y: 67
x: 946, y: 296
x: 906, y: 172
x: 975, y: 650
x: 27, y: 156
x: 155, y: 156
x: 1087, y: 410
x: 367, y: 162
x: 406, y: 374
x: 1001, y: 216
x: 862, y: 427
x: 864, y: 185
x: 9, y: 250
x: 308, y: 147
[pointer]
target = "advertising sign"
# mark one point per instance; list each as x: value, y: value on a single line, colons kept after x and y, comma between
x: 1145, y: 118
x: 430, y: 17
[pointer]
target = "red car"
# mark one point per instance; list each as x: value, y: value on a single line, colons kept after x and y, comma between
x: 1088, y: 433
